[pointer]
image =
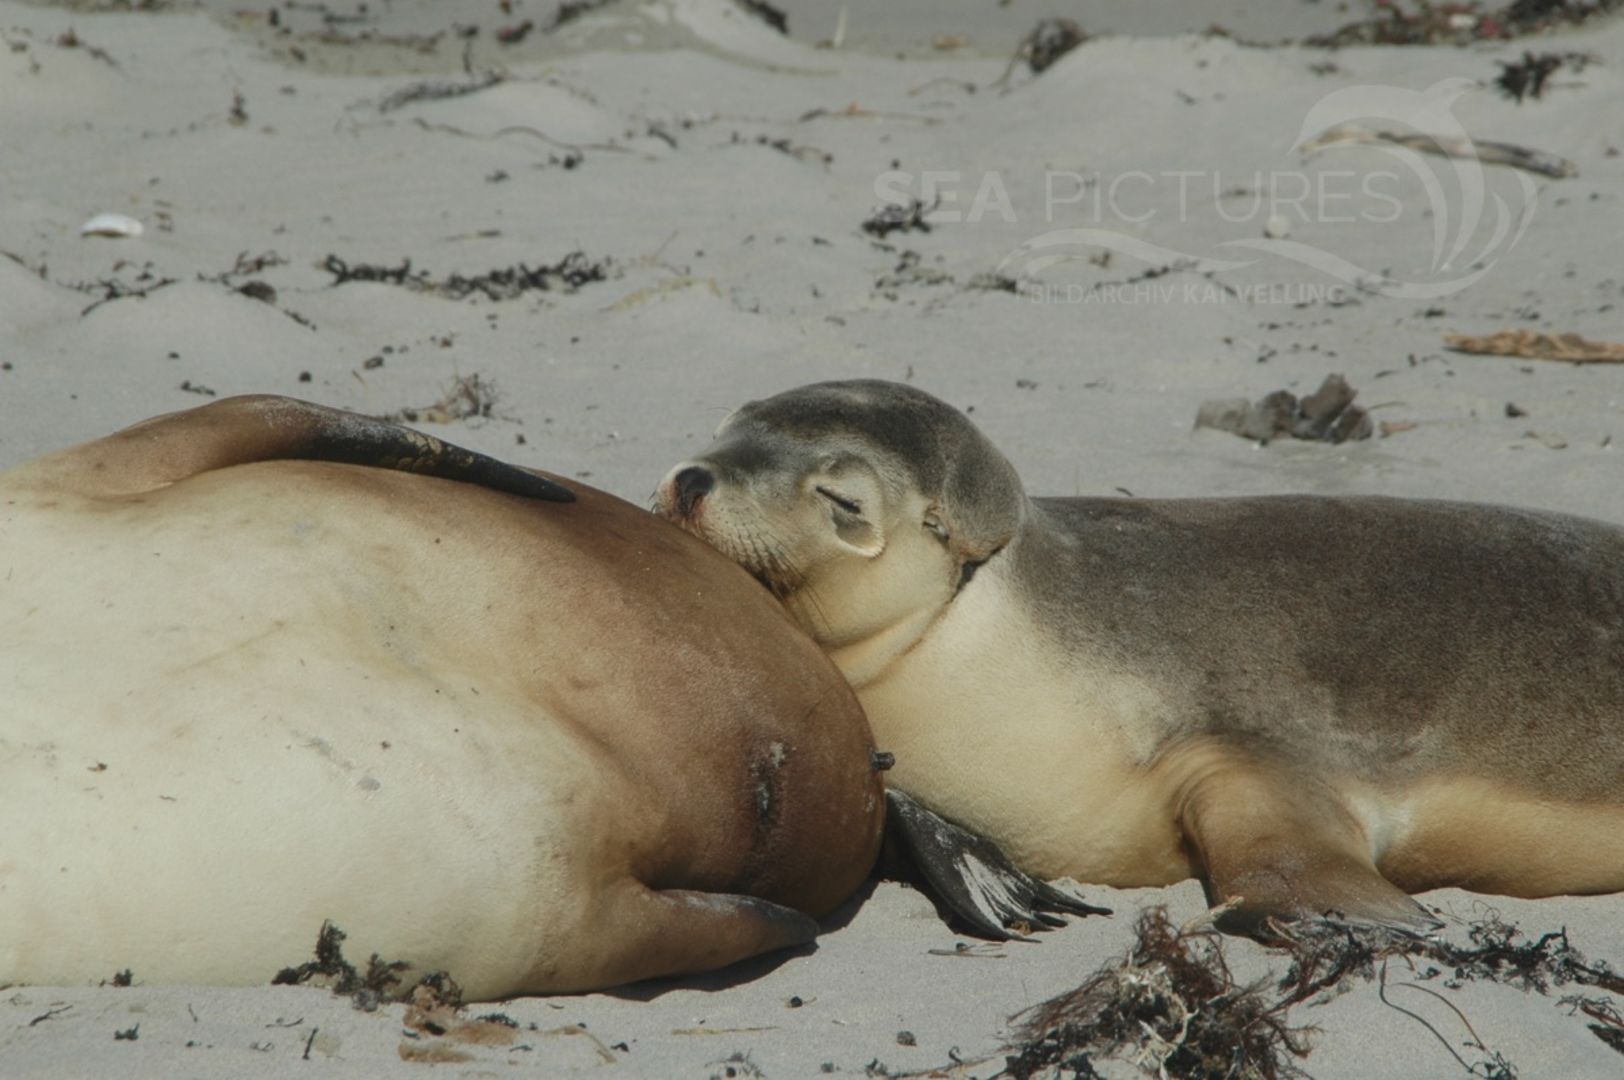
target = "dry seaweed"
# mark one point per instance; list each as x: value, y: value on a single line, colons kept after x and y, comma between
x: 438, y: 91
x: 503, y: 283
x: 1326, y: 951
x: 897, y: 217
x: 467, y: 397
x: 992, y: 281
x: 1609, y: 1024
x: 329, y: 968
x: 568, y: 274
x: 344, y: 272
x: 1526, y: 78
x: 1171, y: 1006
x: 909, y: 272
x: 69, y: 39
x: 255, y: 289
x: 783, y: 146
x: 1533, y: 345
x: 144, y: 284
x: 1461, y: 24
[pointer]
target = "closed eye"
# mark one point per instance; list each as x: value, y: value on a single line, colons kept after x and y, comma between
x: 840, y: 500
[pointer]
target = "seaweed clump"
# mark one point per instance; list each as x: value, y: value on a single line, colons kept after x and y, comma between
x: 502, y: 283
x: 1390, y: 23
x: 1325, y: 951
x: 1527, y: 78
x: 366, y: 991
x: 1171, y: 1007
x: 468, y: 397
x: 896, y: 217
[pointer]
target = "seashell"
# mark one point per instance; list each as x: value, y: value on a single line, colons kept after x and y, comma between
x: 117, y: 225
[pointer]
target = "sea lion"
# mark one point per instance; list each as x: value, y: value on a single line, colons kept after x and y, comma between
x: 541, y: 745
x: 1314, y: 704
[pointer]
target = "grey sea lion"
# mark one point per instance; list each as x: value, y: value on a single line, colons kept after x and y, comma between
x: 1314, y: 704
x: 532, y: 736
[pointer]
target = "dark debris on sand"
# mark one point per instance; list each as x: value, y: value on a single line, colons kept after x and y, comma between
x: 899, y: 217
x: 1172, y: 1007
x: 438, y: 91
x: 571, y: 10
x: 1422, y: 23
x: 767, y: 13
x: 503, y: 283
x: 330, y: 969
x: 1526, y: 78
x: 1326, y: 415
x: 468, y: 397
x: 1608, y: 1023
x: 1049, y: 40
x: 910, y: 271
x: 145, y: 282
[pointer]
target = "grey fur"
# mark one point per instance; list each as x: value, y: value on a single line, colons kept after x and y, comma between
x: 1389, y: 638
x: 921, y: 442
x: 1381, y: 637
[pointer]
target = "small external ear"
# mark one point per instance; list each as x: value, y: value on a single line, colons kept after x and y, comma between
x: 726, y: 420
x: 862, y: 537
x: 935, y: 525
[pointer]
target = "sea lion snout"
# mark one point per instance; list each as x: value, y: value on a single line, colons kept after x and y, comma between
x: 691, y: 484
x: 681, y: 494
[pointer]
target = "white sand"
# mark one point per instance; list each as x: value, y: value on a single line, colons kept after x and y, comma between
x: 740, y: 270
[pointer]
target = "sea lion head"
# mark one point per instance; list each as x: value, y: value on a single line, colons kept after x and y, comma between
x: 860, y: 504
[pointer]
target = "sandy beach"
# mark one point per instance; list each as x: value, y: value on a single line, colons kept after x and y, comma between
x: 579, y: 244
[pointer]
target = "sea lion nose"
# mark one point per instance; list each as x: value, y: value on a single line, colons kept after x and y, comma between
x: 692, y: 484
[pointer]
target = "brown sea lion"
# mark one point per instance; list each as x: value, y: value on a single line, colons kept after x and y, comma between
x: 249, y: 686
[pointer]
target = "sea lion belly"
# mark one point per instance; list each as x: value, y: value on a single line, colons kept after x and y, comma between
x: 261, y: 732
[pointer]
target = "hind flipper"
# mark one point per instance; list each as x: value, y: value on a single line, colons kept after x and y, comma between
x: 264, y: 427
x: 972, y: 877
x: 1279, y: 845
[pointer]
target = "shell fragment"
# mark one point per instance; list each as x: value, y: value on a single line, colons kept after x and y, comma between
x: 118, y: 225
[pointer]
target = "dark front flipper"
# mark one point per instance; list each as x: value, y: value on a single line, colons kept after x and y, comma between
x: 360, y: 440
x: 243, y: 430
x: 648, y: 933
x: 972, y: 878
